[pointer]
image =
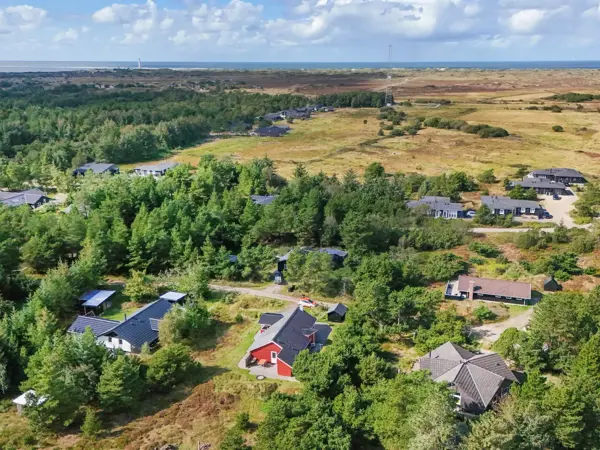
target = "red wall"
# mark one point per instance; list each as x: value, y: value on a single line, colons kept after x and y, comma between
x: 283, y: 369
x: 265, y: 352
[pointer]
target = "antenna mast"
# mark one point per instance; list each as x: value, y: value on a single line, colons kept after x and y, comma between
x: 389, y: 99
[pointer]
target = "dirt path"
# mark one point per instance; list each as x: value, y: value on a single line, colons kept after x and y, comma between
x: 267, y: 292
x: 507, y: 230
x: 489, y: 333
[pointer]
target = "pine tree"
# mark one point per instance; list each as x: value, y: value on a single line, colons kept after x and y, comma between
x: 121, y: 383
x: 92, y: 425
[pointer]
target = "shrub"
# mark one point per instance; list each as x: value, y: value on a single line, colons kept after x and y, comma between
x: 169, y: 366
x: 487, y: 176
x: 590, y: 271
x: 397, y: 132
x: 557, y: 129
x: 92, y: 426
x: 483, y: 313
x: 443, y: 266
x: 487, y: 250
x: 476, y: 260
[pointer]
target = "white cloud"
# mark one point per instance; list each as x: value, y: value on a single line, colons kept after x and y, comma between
x: 167, y: 23
x: 70, y: 35
x: 21, y: 18
x: 131, y: 38
x: 526, y: 20
x: 593, y: 12
x: 85, y: 29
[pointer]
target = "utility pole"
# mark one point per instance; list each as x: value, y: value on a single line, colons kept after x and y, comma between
x: 389, y: 99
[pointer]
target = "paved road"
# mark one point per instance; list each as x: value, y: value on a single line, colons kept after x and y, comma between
x: 507, y: 230
x: 259, y: 293
x: 490, y: 332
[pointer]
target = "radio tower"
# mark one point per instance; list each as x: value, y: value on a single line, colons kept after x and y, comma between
x: 389, y: 99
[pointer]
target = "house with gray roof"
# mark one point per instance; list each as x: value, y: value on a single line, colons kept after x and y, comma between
x: 478, y: 380
x: 476, y: 288
x: 263, y: 199
x: 283, y: 336
x: 155, y: 170
x: 34, y: 198
x: 273, y: 117
x: 503, y: 206
x: 271, y: 131
x: 438, y: 207
x: 560, y: 175
x: 138, y: 329
x: 132, y: 333
x: 337, y: 256
x: 540, y: 186
x: 96, y: 168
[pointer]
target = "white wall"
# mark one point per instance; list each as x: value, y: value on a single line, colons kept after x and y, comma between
x: 125, y: 346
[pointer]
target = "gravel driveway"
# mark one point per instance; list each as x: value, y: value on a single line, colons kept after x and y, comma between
x: 560, y: 209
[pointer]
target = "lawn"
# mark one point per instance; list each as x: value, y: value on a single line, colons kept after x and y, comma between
x: 335, y: 142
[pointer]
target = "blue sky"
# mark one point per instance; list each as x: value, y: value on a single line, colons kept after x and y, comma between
x: 299, y: 30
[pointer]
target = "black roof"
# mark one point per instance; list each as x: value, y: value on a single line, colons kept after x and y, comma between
x: 96, y: 168
x: 338, y: 308
x: 269, y: 318
x: 142, y: 326
x: 271, y: 131
x: 98, y: 325
x: 288, y: 334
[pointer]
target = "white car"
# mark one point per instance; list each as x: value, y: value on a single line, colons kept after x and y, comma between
x: 470, y: 214
x: 306, y: 302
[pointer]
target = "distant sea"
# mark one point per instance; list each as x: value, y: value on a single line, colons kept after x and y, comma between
x: 60, y: 66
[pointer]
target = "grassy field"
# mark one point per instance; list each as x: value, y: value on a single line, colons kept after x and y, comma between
x: 335, y: 142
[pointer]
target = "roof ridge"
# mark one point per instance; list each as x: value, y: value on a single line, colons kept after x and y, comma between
x: 99, y: 318
x: 467, y: 367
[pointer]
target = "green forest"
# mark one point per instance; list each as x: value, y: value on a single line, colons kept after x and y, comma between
x: 186, y: 225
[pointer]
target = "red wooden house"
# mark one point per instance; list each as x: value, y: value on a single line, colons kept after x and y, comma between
x: 282, y: 337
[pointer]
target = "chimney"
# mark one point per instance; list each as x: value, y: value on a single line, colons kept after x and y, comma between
x: 471, y: 289
x: 301, y: 307
x: 124, y: 317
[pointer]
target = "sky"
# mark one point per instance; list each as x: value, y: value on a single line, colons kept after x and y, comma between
x: 300, y: 30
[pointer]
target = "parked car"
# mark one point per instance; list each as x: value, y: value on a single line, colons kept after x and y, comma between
x: 546, y: 215
x: 306, y: 302
x: 556, y: 197
x: 470, y: 214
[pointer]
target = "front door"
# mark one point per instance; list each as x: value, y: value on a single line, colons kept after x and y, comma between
x: 273, y: 357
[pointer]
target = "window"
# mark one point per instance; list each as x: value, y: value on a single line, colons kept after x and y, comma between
x: 120, y: 341
x: 109, y: 339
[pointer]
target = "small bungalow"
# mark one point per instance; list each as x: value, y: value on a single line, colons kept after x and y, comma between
x: 263, y: 199
x: 130, y: 334
x: 475, y: 288
x: 273, y: 117
x: 296, y: 113
x: 28, y: 398
x: 438, y: 207
x: 97, y: 168
x: 96, y: 300
x: 139, y: 329
x: 337, y: 313
x: 479, y: 380
x: 551, y: 285
x: 271, y: 131
x: 560, y: 175
x: 32, y: 197
x: 155, y: 170
x: 541, y: 186
x: 174, y: 297
x: 337, y: 256
x: 503, y: 206
x: 281, y: 339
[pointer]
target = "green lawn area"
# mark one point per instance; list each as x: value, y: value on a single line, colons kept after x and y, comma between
x: 120, y: 307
